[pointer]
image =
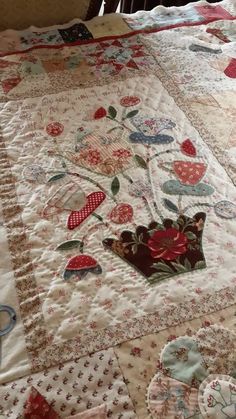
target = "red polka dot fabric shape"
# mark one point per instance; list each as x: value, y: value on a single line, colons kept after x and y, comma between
x: 92, y: 203
x: 189, y: 173
x: 81, y: 262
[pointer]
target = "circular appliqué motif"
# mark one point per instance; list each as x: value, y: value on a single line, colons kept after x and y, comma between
x: 121, y: 214
x: 217, y: 397
x: 54, y: 129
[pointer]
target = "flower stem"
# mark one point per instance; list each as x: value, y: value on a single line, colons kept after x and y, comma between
x: 122, y: 124
x: 59, y: 154
x: 127, y: 177
x: 223, y: 398
x: 143, y: 197
x: 150, y: 181
x: 161, y: 153
x: 166, y: 169
x: 104, y: 223
x: 180, y: 204
x: 98, y: 185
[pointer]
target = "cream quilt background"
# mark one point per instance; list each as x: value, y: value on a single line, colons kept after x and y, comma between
x: 117, y: 207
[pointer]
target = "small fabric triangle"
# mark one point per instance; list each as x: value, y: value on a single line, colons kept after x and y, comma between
x: 38, y: 407
x: 9, y: 84
x: 131, y: 64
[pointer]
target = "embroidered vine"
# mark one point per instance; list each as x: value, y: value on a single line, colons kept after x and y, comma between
x: 166, y: 247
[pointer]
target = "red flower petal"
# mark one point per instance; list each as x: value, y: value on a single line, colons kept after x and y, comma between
x: 100, y: 113
x: 167, y: 244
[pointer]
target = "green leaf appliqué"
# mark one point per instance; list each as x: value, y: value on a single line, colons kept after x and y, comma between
x: 131, y: 114
x: 115, y: 185
x: 170, y: 205
x: 56, y: 177
x: 70, y: 244
x: 201, y: 264
x: 112, y: 112
x: 190, y: 235
x: 141, y: 162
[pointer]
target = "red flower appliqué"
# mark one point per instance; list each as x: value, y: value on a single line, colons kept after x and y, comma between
x: 92, y: 156
x: 127, y: 101
x: 54, y: 129
x: 167, y: 244
x: 122, y: 153
x: 211, y: 401
x: 122, y: 213
x: 100, y: 113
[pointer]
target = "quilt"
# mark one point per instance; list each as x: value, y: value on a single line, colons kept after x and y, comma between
x: 118, y: 208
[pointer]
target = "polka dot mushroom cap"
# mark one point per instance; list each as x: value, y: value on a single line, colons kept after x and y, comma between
x: 79, y: 266
x: 81, y: 261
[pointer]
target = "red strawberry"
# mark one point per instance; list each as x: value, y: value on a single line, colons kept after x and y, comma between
x: 188, y: 148
x: 100, y: 113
